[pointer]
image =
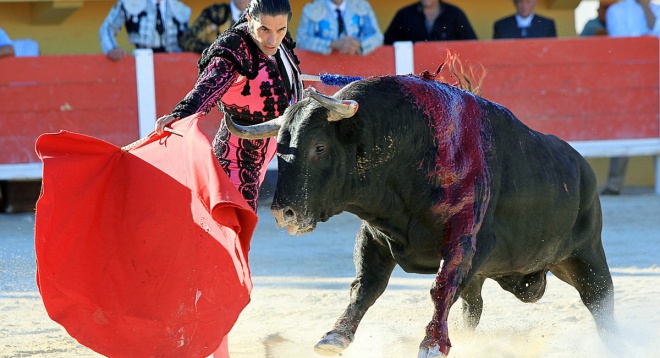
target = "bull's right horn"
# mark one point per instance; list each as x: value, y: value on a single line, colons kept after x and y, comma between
x: 256, y: 131
x: 339, y: 109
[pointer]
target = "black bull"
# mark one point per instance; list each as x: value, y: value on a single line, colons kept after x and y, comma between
x: 445, y: 182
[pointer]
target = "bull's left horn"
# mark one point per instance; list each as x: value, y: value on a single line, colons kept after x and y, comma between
x: 256, y: 131
x: 339, y: 109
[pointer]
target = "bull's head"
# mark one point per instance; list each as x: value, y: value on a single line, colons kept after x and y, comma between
x: 311, y: 158
x: 338, y: 110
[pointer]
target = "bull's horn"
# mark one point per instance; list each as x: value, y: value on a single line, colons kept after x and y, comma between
x: 256, y: 131
x: 339, y: 109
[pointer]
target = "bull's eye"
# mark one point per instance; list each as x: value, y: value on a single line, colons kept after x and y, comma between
x: 320, y: 149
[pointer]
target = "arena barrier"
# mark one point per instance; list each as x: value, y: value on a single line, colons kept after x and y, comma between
x: 600, y: 94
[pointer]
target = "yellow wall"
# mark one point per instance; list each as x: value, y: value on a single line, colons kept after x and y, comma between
x: 77, y: 33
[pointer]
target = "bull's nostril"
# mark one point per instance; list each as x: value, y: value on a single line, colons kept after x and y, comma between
x: 289, y: 213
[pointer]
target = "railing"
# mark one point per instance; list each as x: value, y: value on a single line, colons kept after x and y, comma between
x: 600, y: 94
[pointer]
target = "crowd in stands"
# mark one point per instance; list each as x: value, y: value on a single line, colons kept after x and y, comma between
x: 326, y: 26
x: 342, y: 26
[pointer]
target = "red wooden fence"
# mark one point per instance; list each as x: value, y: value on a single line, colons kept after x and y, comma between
x: 578, y: 89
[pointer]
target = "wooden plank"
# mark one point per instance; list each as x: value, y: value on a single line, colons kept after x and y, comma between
x: 69, y: 96
x: 27, y: 171
x: 578, y: 89
x: 597, y: 127
x: 580, y: 77
x: 551, y: 104
x: 66, y: 68
x: 379, y: 62
x: 565, y: 51
x: 21, y: 130
x: 616, y: 148
x: 175, y: 76
x: 87, y: 94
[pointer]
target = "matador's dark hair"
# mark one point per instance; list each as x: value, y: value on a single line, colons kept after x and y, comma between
x: 256, y: 8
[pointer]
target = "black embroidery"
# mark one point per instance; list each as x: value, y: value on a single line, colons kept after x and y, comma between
x: 236, y: 46
x: 133, y: 22
x: 246, y: 88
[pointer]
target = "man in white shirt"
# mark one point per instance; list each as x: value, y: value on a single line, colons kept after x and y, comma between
x: 633, y: 18
x: 628, y: 18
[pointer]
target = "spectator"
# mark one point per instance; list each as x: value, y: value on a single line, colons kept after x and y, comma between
x: 211, y: 22
x: 625, y: 19
x: 252, y: 74
x: 153, y: 24
x: 6, y: 46
x: 429, y: 20
x: 25, y: 47
x: 596, y: 26
x: 346, y: 26
x: 633, y: 18
x: 524, y: 24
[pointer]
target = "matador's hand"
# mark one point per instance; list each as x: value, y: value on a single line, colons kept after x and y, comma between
x: 163, y: 122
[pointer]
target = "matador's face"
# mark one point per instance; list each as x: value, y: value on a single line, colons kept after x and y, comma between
x: 269, y: 31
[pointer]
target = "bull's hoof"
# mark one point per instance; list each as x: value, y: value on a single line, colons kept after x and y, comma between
x: 430, y: 352
x: 332, y: 344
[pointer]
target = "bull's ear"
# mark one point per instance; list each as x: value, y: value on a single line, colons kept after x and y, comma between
x: 339, y: 109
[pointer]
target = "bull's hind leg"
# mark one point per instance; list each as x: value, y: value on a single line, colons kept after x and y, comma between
x: 473, y: 303
x: 591, y: 278
x: 373, y: 267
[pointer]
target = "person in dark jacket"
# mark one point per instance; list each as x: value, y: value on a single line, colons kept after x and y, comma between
x: 524, y: 23
x: 211, y: 22
x: 429, y: 20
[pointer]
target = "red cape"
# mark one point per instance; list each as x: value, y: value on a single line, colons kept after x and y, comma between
x: 142, y: 253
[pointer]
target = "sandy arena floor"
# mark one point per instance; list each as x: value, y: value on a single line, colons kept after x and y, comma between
x: 301, y: 287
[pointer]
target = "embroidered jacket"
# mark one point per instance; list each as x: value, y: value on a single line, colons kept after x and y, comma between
x: 319, y: 26
x: 250, y: 87
x: 139, y: 17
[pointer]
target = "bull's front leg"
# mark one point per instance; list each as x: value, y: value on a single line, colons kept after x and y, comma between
x: 453, y: 274
x: 373, y: 267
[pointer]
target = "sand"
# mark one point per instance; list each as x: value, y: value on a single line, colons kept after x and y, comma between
x: 301, y: 287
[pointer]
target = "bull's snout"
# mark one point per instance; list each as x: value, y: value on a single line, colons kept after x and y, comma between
x: 285, y: 216
x: 295, y: 222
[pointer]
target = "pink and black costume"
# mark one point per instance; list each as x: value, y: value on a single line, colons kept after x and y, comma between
x: 251, y: 87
